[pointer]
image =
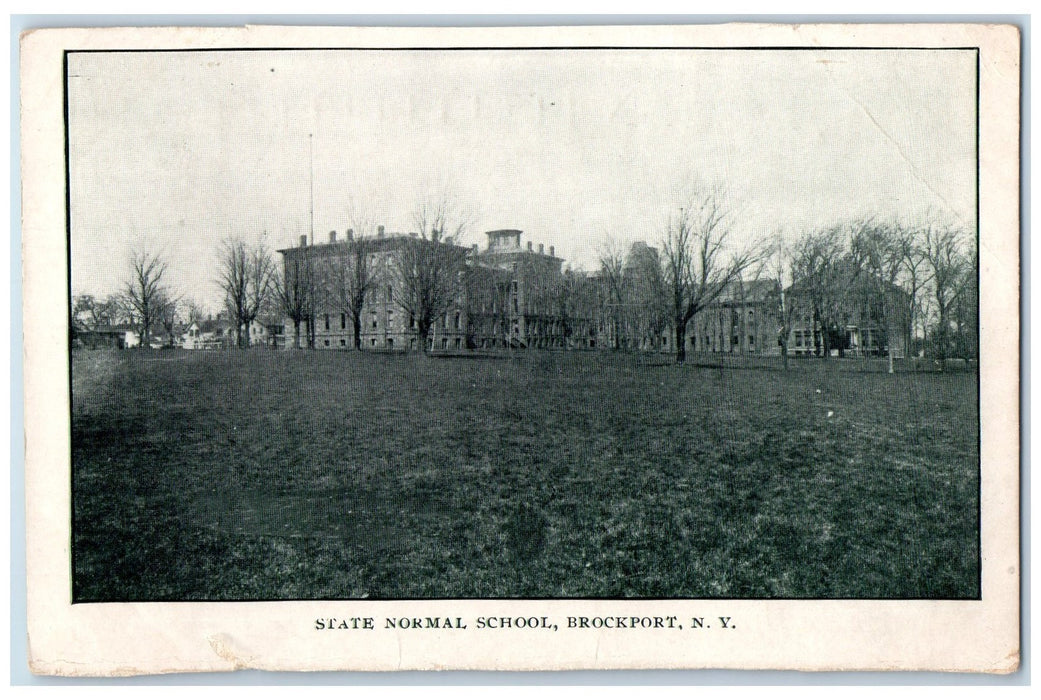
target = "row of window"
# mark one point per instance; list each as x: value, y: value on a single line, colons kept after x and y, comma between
x: 455, y: 322
x: 388, y: 343
x: 457, y: 343
x: 735, y: 340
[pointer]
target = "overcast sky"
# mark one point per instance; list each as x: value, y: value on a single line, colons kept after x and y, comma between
x: 175, y: 151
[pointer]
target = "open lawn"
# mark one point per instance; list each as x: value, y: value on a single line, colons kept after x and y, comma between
x: 276, y: 475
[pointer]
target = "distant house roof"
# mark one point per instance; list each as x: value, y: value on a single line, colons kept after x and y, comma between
x: 213, y: 325
x: 751, y: 290
x: 118, y: 328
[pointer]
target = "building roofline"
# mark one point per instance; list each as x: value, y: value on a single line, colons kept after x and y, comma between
x: 369, y: 240
x: 519, y: 251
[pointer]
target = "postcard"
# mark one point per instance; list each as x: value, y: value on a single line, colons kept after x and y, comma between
x: 670, y: 347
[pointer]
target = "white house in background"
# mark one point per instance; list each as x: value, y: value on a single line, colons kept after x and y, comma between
x: 218, y: 333
x: 259, y: 334
x: 210, y: 334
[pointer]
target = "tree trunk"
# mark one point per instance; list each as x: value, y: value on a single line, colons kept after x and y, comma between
x: 681, y: 345
x: 296, y: 334
x: 941, y: 340
x: 818, y: 341
x: 784, y: 351
x: 356, y: 324
x: 424, y: 336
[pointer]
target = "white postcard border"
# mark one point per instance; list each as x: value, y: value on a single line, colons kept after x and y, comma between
x: 123, y: 639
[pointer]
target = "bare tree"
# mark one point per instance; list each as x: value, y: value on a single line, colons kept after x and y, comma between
x: 877, y: 251
x: 965, y: 314
x: 91, y: 312
x: 611, y: 257
x: 698, y: 264
x: 552, y: 299
x: 168, y: 315
x: 500, y: 304
x: 296, y: 292
x: 353, y: 275
x: 483, y: 287
x: 820, y: 276
x: 916, y: 276
x: 428, y: 270
x: 645, y: 293
x: 234, y: 264
x: 573, y: 304
x: 540, y: 301
x: 115, y: 310
x: 781, y: 269
x: 247, y: 276
x: 948, y: 264
x: 261, y: 274
x: 477, y: 298
x: 193, y: 311
x: 143, y: 291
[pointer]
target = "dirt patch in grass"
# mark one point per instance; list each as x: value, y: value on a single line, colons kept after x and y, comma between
x: 264, y: 475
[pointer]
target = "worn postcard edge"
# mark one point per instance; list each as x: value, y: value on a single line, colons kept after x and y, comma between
x: 140, y: 638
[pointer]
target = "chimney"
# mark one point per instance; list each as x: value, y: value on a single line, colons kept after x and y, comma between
x: 541, y: 250
x: 529, y: 246
x: 350, y: 234
x: 303, y: 241
x: 332, y: 236
x: 551, y: 252
x: 474, y: 248
x: 379, y: 231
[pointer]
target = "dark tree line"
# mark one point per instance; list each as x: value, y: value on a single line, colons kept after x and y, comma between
x: 921, y: 278
x: 917, y: 280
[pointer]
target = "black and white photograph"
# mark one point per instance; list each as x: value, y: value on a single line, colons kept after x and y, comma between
x: 536, y: 322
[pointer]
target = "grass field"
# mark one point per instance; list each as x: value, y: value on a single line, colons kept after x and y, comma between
x: 273, y: 475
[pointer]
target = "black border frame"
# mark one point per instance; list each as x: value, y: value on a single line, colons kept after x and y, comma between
x: 68, y: 247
